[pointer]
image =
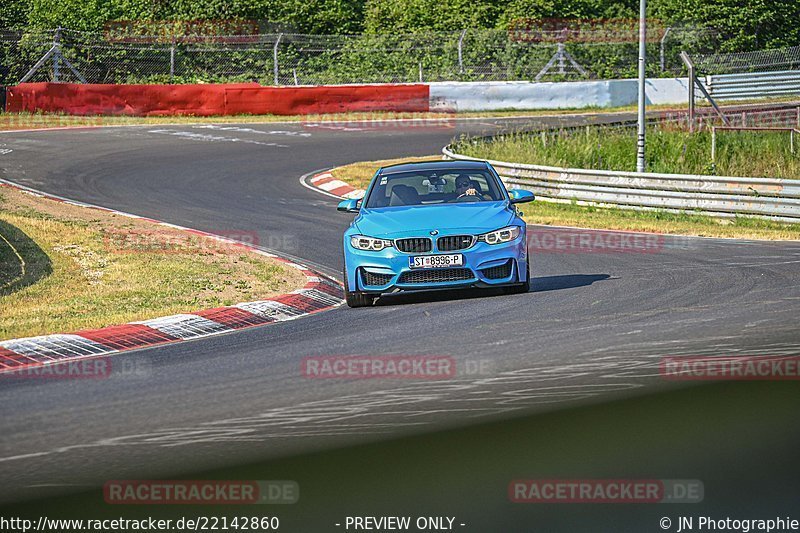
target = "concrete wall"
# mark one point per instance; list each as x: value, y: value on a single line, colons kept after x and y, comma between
x: 232, y: 99
x: 486, y: 96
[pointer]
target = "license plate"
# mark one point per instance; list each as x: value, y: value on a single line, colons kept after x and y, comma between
x: 435, y: 261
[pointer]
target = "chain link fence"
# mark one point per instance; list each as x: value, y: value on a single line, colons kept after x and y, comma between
x: 297, y: 59
x: 746, y: 62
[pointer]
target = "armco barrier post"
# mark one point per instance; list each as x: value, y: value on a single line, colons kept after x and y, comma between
x: 172, y: 62
x: 662, y: 54
x: 714, y: 148
x: 56, y: 62
x: 275, y: 57
x: 690, y: 67
x: 461, y: 51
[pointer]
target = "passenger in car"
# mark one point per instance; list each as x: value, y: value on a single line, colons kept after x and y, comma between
x: 404, y: 195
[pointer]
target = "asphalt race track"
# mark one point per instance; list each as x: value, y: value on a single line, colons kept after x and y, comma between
x: 592, y: 330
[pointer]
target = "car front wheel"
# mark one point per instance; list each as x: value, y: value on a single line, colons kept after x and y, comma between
x: 356, y: 298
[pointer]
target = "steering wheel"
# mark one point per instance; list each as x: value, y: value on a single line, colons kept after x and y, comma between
x: 467, y: 198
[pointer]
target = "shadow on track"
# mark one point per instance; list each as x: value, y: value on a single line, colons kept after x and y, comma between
x: 541, y: 284
x: 556, y: 283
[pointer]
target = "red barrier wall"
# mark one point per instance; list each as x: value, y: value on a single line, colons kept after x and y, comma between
x: 210, y: 99
x: 326, y: 99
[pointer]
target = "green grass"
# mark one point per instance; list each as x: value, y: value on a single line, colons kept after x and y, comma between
x: 16, y: 121
x: 565, y: 214
x: 760, y: 154
x: 560, y: 214
x: 65, y: 268
x: 359, y: 174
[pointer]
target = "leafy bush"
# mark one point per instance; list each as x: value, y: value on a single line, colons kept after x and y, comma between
x: 400, y: 38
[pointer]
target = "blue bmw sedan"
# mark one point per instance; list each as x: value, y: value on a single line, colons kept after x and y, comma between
x: 435, y: 225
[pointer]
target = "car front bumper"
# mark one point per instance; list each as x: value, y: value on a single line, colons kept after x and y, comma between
x: 388, y: 270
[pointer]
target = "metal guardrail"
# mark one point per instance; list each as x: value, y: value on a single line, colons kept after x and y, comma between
x: 776, y: 199
x: 746, y: 83
x: 753, y: 85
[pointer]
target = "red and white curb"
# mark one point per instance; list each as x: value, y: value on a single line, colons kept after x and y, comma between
x: 326, y: 182
x: 319, y: 294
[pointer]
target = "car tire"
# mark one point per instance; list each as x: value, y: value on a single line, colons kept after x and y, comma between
x: 521, y: 288
x: 356, y: 298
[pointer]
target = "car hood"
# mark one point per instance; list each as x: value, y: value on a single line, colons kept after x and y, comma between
x: 395, y: 222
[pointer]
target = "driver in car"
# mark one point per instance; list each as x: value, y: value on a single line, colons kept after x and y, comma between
x: 468, y: 190
x: 464, y: 186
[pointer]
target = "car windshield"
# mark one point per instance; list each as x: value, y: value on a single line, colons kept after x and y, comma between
x: 434, y: 187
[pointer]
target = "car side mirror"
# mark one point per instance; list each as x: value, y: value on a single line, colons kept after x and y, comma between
x: 520, y: 196
x: 348, y: 206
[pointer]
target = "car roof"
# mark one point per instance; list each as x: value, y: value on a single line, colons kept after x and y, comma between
x: 433, y: 165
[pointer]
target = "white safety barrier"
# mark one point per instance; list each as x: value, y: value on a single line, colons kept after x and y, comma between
x: 490, y: 96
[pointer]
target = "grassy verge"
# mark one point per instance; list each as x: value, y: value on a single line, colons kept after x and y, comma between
x: 359, y: 174
x: 763, y: 154
x: 16, y: 121
x: 66, y: 268
x: 559, y: 214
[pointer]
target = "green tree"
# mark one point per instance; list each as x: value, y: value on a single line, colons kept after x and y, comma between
x: 745, y: 25
x: 569, y: 9
x: 306, y: 16
x: 406, y: 16
x: 86, y: 15
x: 14, y: 13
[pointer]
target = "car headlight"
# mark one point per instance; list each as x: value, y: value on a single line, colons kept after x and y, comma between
x: 500, y: 236
x: 362, y: 242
